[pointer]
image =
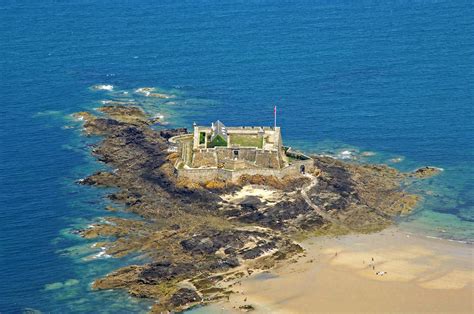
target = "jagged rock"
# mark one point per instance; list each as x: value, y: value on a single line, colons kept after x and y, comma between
x: 426, y: 172
x: 209, y: 242
x: 258, y: 251
x: 184, y: 296
x: 100, y: 126
x: 164, y: 270
x: 100, y: 178
x: 251, y: 203
x: 169, y: 133
x: 126, y: 114
x: 83, y: 116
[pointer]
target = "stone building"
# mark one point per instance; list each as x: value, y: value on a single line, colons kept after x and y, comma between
x: 220, y: 152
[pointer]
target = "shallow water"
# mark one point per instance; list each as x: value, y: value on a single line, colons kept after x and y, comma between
x: 395, y: 79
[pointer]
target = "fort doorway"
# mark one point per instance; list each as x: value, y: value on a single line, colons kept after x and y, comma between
x: 302, y: 169
x: 236, y: 154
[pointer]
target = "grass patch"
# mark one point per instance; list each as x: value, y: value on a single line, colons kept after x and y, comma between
x: 325, y: 230
x: 246, y: 140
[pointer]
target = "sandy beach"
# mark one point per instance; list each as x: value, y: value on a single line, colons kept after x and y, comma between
x: 387, y: 272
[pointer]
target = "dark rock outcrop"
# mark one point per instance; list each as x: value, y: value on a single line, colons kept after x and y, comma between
x: 184, y: 296
x: 426, y: 172
x: 169, y: 133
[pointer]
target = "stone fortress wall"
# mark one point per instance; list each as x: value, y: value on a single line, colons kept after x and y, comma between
x: 269, y: 155
x: 271, y: 135
x: 201, y: 164
x: 221, y: 156
x: 203, y: 175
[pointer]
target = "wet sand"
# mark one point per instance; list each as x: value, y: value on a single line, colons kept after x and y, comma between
x: 339, y: 275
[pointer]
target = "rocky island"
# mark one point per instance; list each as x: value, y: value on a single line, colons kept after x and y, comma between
x: 199, y: 238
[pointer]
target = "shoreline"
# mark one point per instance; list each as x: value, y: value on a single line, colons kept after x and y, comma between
x: 202, y: 239
x: 337, y: 274
x: 435, y: 238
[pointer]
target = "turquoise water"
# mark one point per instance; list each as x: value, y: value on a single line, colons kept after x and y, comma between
x: 393, y: 78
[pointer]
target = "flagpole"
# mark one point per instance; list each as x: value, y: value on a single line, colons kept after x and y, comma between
x: 275, y: 117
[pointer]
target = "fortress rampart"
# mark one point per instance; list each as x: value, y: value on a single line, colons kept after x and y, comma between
x: 203, y: 175
x: 221, y: 153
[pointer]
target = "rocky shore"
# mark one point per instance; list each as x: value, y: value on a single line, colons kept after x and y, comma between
x: 201, y: 239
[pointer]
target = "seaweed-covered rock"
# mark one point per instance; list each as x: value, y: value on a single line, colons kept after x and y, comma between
x: 101, y: 178
x: 184, y: 296
x: 164, y: 270
x: 258, y: 250
x: 169, y: 133
x: 426, y: 172
x: 126, y: 114
x: 100, y: 126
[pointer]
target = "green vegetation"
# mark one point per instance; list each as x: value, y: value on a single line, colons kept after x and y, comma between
x: 246, y: 140
x: 202, y: 137
x: 217, y: 141
x: 328, y: 229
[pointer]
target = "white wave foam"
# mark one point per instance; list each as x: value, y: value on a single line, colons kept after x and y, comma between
x: 106, y: 87
x: 438, y: 237
x: 346, y: 154
x: 368, y: 154
x: 396, y: 159
x: 118, y: 102
x: 447, y: 239
x: 50, y: 113
x: 101, y: 254
x: 151, y: 92
x: 145, y: 90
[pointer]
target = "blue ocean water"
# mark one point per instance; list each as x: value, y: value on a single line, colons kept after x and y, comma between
x: 395, y: 78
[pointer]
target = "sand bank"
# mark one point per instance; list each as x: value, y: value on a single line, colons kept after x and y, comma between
x: 390, y: 271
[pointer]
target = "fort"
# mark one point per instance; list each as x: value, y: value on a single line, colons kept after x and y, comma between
x: 217, y: 152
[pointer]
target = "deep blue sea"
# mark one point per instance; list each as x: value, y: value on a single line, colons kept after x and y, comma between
x: 391, y: 77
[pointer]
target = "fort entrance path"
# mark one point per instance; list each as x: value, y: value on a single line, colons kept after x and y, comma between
x: 304, y: 193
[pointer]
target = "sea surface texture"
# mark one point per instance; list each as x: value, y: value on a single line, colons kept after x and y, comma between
x: 394, y: 78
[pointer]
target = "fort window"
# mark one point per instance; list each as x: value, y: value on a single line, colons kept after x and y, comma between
x: 202, y: 137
